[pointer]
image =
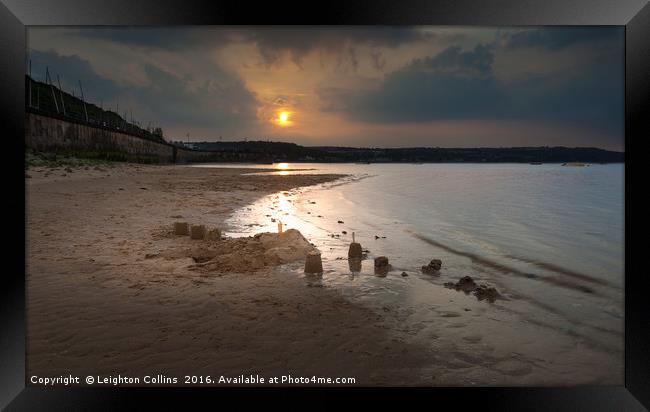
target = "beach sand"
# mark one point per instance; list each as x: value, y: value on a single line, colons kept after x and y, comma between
x: 105, y: 296
x: 112, y: 291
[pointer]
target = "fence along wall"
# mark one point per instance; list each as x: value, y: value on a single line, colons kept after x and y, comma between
x: 45, y: 133
x: 56, y: 135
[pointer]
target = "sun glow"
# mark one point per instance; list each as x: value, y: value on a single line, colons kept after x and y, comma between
x: 283, y: 119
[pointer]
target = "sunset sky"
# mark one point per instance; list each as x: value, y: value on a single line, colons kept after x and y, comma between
x: 352, y: 86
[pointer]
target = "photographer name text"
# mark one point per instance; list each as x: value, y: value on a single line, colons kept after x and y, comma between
x: 160, y: 379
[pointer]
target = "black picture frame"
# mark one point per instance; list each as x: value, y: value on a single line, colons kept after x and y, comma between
x: 15, y: 15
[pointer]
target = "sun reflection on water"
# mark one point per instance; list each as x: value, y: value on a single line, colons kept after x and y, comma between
x: 282, y: 169
x: 282, y: 209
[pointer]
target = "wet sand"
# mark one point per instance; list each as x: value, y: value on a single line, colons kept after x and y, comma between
x: 97, y: 304
x: 111, y: 291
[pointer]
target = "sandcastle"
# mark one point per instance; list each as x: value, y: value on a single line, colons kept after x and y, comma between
x: 181, y: 228
x: 355, y: 251
x: 313, y: 263
x: 245, y: 254
x: 197, y: 232
x: 382, y: 267
x: 213, y: 234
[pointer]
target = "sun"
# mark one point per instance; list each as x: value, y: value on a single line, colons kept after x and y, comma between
x: 283, y: 119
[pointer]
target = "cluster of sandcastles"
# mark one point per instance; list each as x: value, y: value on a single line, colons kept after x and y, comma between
x: 196, y: 231
x: 314, y: 265
x: 217, y: 255
x: 283, y: 252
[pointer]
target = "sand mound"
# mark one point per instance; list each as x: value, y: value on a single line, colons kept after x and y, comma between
x: 250, y: 253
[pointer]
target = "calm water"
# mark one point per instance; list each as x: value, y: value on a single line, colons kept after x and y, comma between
x: 549, y: 238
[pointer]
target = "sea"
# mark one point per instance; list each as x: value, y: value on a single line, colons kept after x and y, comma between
x: 549, y: 238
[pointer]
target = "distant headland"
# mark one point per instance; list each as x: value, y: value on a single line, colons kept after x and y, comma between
x: 282, y: 151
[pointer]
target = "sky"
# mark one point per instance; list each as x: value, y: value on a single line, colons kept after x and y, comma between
x: 382, y: 86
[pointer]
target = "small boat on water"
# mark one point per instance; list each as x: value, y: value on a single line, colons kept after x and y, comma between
x: 574, y: 164
x: 535, y: 163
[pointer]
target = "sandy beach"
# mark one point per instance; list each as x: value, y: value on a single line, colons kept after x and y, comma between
x: 112, y: 291
x: 101, y: 302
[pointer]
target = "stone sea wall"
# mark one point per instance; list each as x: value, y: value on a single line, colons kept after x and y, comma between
x: 50, y: 134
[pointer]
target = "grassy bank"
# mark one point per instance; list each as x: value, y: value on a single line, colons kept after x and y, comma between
x: 35, y: 158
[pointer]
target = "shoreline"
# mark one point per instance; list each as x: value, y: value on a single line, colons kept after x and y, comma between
x: 490, y: 328
x: 97, y: 306
x: 112, y: 291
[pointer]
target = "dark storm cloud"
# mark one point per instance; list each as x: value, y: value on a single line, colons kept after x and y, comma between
x: 456, y: 84
x: 561, y: 37
x: 453, y: 59
x: 222, y: 103
x: 71, y: 70
x: 272, y: 42
x: 146, y: 37
x: 302, y: 39
x: 451, y: 85
x: 283, y: 37
x: 297, y: 42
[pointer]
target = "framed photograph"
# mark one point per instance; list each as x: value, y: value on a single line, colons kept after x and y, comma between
x: 413, y: 200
